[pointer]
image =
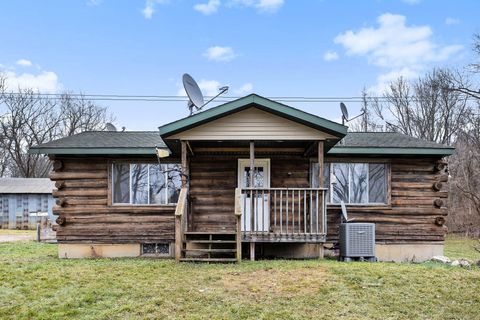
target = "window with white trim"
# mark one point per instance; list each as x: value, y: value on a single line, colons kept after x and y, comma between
x: 353, y: 183
x: 143, y: 183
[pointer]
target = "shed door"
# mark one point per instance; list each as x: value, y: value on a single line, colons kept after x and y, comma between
x: 261, y: 203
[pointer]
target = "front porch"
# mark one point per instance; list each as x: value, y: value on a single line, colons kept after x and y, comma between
x: 222, y: 200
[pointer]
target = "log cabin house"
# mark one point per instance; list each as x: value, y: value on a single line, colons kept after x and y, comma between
x: 188, y: 191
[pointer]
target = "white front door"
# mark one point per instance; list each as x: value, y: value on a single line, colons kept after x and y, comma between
x: 261, y: 179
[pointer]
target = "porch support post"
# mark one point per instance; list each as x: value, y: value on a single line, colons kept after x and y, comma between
x: 185, y: 174
x: 252, y: 203
x: 320, y: 163
x: 184, y: 164
x: 320, y: 221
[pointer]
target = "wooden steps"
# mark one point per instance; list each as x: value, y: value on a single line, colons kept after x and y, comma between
x: 209, y: 246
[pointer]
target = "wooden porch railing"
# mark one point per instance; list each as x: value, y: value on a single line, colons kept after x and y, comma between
x: 283, y: 214
x: 180, y: 222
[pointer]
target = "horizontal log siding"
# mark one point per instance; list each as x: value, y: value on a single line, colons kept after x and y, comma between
x: 89, y: 217
x: 213, y: 180
x: 411, y: 215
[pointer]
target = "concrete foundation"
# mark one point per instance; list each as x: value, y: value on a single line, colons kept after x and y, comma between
x: 408, y: 252
x: 292, y: 250
x: 74, y: 250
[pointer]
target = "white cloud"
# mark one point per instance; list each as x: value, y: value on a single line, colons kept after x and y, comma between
x: 244, y: 89
x: 217, y: 53
x: 150, y: 8
x: 412, y: 2
x: 451, y: 21
x: 383, y: 80
x: 330, y: 56
x: 269, y: 5
x: 261, y: 5
x: 208, y: 88
x: 93, y: 3
x: 24, y: 62
x: 44, y: 82
x: 396, y: 47
x: 207, y: 8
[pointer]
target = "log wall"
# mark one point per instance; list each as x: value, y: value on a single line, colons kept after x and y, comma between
x: 85, y: 210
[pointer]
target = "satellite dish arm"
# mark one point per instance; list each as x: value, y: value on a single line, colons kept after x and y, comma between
x: 222, y: 91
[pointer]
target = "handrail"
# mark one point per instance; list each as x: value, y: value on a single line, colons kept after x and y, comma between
x: 179, y: 220
x: 182, y: 201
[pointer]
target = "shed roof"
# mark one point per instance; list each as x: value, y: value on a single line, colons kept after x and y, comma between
x: 385, y: 143
x: 260, y: 102
x: 26, y: 185
x: 104, y: 142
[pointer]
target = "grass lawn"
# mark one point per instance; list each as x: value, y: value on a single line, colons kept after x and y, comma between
x: 35, y: 284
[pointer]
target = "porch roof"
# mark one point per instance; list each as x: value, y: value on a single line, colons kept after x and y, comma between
x: 254, y: 100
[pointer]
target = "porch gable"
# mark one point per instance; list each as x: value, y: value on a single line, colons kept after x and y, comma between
x: 252, y: 124
x: 274, y: 110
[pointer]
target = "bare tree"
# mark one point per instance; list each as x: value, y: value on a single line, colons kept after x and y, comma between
x: 30, y: 119
x: 367, y: 122
x: 426, y: 108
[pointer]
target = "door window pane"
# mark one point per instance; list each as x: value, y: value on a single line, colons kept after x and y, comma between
x: 377, y: 183
x: 158, y: 187
x: 121, y: 183
x: 258, y: 179
x: 340, y: 172
x: 139, y: 183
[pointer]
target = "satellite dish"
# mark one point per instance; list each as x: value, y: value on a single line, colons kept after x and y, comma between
x: 110, y: 127
x: 345, y: 118
x: 193, y: 91
x: 344, y: 109
x: 195, y: 95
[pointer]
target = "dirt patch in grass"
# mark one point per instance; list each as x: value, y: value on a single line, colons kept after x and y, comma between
x: 274, y: 283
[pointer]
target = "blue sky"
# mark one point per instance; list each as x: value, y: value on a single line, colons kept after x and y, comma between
x: 271, y: 47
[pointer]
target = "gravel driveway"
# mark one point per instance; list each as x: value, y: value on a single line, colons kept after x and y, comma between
x: 15, y: 237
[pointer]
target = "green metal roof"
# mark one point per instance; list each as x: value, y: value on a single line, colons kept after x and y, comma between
x: 104, y: 142
x: 387, y: 143
x: 274, y: 107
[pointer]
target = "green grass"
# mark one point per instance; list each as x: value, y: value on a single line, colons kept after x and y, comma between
x: 459, y: 247
x: 35, y: 284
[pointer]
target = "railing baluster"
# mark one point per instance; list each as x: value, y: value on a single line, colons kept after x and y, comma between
x: 323, y: 212
x: 244, y: 213
x: 305, y: 211
x: 275, y: 208
x: 299, y: 215
x: 316, y: 212
x: 286, y: 210
x: 293, y: 212
x: 252, y: 217
x: 281, y: 211
x: 311, y: 212
x: 263, y: 210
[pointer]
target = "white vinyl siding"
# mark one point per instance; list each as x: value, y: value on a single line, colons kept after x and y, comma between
x: 252, y: 124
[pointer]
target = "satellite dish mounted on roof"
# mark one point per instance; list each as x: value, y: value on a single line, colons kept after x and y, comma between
x: 344, y: 110
x: 110, y: 127
x: 195, y: 95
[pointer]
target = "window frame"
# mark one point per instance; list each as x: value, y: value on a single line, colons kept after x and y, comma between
x: 111, y: 181
x: 388, y: 172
